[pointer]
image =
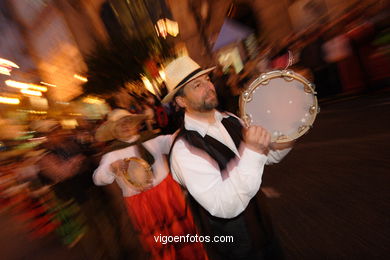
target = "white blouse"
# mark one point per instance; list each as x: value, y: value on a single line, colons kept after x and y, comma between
x: 158, y: 147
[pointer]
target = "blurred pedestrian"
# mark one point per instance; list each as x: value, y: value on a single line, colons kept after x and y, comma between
x: 67, y: 170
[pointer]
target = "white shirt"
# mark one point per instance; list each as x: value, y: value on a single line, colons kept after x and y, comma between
x: 222, y: 195
x: 157, y: 147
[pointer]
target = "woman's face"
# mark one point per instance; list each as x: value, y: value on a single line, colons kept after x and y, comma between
x: 125, y: 128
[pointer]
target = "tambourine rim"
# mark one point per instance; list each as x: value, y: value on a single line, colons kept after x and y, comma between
x: 145, y: 165
x: 279, y: 74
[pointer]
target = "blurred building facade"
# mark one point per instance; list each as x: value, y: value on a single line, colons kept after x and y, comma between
x: 200, y: 21
x: 51, y: 38
x: 57, y: 34
x: 13, y: 47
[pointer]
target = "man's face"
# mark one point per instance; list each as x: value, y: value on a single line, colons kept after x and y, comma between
x: 199, y: 95
x: 125, y: 128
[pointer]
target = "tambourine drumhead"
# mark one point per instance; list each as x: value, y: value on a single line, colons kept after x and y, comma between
x: 139, y: 173
x: 283, y: 102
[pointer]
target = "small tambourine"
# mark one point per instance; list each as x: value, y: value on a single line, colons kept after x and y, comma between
x: 281, y: 101
x: 138, y: 173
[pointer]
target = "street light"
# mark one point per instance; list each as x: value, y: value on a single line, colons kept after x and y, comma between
x: 76, y: 76
x: 31, y: 92
x: 165, y: 26
x: 48, y: 84
x: 22, y: 85
x: 6, y: 66
x: 10, y: 101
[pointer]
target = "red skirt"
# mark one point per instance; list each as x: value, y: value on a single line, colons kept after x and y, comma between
x: 160, y: 212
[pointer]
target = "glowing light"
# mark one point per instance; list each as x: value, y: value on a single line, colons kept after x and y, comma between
x: 161, y: 28
x: 36, y: 112
x: 8, y: 63
x: 81, y: 78
x: 93, y: 100
x: 5, y: 71
x: 162, y: 75
x: 6, y: 66
x: 37, y: 87
x: 11, y: 101
x: 31, y: 92
x: 148, y: 85
x: 166, y: 26
x: 21, y: 85
x: 48, y: 84
x: 63, y: 103
x: 37, y: 139
x: 69, y: 123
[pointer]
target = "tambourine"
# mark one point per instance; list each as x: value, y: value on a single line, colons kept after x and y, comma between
x: 281, y: 101
x: 138, y: 173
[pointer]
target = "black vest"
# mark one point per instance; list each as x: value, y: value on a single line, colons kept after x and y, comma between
x: 258, y: 225
x: 217, y: 150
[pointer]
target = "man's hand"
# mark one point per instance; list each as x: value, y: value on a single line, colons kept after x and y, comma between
x: 257, y: 139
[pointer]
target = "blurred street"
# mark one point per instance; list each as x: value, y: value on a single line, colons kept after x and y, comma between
x: 16, y: 246
x: 334, y: 199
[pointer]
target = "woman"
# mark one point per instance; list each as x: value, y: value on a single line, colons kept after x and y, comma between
x: 155, y: 202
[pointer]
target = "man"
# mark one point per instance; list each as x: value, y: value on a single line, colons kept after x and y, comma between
x: 217, y: 160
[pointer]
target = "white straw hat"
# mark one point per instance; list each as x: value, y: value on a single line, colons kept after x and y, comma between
x: 105, y: 131
x: 179, y: 72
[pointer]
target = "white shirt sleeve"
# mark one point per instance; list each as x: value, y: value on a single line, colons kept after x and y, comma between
x: 103, y: 174
x: 275, y: 156
x: 161, y: 144
x: 224, y: 198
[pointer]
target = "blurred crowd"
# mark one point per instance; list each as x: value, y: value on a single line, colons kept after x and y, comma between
x: 46, y: 170
x: 348, y: 55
